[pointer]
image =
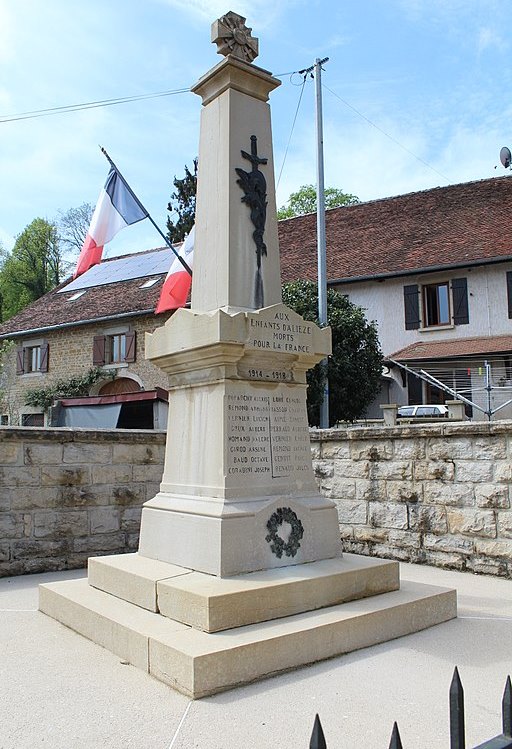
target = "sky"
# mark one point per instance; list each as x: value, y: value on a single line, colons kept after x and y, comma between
x: 416, y: 94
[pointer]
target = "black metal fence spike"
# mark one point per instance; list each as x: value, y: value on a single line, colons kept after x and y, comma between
x: 506, y: 709
x: 396, y: 741
x: 317, y: 740
x: 457, y: 732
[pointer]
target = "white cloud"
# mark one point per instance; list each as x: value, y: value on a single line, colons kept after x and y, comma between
x: 259, y: 13
x: 490, y: 39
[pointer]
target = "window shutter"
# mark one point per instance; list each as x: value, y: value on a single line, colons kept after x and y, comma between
x: 20, y: 360
x: 412, y: 307
x: 98, y: 350
x: 43, y: 367
x: 460, y: 301
x: 509, y: 293
x: 131, y: 340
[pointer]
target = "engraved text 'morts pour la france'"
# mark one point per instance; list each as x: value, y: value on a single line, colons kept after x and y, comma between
x: 254, y: 185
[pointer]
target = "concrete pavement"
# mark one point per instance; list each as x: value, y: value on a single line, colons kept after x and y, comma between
x: 59, y: 690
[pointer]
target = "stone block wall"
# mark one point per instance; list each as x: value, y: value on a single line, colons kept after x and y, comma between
x: 437, y: 494
x: 69, y: 494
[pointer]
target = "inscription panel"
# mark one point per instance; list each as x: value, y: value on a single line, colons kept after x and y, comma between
x: 278, y: 329
x: 267, y: 434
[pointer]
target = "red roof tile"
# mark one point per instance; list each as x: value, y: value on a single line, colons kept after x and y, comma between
x: 98, y: 302
x: 447, y: 226
x: 455, y: 347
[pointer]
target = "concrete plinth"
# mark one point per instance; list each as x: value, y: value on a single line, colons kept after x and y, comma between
x: 200, y: 663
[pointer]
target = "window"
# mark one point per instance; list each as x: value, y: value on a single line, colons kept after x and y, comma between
x: 32, y: 357
x: 442, y: 303
x: 4, y: 420
x: 436, y: 305
x: 114, y: 348
x: 32, y: 420
x: 509, y: 293
x: 150, y: 282
x: 76, y: 295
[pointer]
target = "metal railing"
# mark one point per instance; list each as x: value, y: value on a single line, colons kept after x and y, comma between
x: 457, y: 722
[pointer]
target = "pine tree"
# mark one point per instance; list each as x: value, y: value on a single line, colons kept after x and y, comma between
x: 183, y: 203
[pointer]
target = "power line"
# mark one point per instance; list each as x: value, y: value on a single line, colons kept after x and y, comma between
x: 100, y: 103
x: 88, y: 105
x: 391, y: 138
x: 291, y: 131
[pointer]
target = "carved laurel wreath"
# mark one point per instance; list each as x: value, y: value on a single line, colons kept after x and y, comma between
x: 277, y: 545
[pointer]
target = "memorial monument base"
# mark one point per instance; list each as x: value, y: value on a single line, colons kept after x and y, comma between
x: 202, y: 634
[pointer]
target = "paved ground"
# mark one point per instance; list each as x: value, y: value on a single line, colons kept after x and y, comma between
x: 59, y: 690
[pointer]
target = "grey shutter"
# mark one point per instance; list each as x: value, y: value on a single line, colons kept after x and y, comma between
x: 20, y: 360
x: 131, y: 339
x: 45, y: 348
x: 509, y: 293
x: 412, y: 307
x: 98, y: 350
x: 460, y: 301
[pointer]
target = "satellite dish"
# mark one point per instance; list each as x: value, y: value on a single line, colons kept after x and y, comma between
x: 505, y: 157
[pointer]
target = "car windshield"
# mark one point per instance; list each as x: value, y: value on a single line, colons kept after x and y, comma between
x: 406, y: 411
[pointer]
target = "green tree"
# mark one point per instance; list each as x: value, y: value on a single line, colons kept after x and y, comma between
x: 355, y: 365
x: 183, y: 205
x: 34, y: 267
x: 304, y: 201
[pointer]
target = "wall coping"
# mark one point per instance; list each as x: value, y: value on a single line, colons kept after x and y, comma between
x: 74, y: 434
x: 445, y: 429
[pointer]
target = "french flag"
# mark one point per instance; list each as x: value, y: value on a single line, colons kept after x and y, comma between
x: 116, y: 208
x: 176, y: 286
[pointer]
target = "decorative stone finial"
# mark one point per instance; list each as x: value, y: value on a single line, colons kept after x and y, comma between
x: 233, y: 37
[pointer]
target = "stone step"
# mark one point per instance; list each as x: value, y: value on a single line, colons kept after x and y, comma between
x: 212, y: 604
x: 199, y: 664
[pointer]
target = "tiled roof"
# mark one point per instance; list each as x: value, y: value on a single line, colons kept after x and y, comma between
x: 98, y: 302
x: 456, y: 347
x: 447, y: 226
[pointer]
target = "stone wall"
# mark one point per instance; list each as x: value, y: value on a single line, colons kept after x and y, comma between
x: 437, y: 494
x: 68, y: 494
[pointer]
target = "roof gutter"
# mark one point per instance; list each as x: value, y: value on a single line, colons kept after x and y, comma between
x: 420, y: 271
x: 76, y: 323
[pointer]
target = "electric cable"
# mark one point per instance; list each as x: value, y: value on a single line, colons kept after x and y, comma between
x: 391, y: 138
x: 88, y: 105
x: 292, y: 129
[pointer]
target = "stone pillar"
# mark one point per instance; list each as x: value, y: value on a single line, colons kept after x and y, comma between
x: 389, y: 412
x: 456, y: 410
x: 235, y: 110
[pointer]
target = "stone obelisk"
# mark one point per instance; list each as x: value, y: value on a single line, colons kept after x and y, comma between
x: 238, y: 492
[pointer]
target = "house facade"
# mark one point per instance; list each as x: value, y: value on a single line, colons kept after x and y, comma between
x: 434, y: 269
x: 97, y: 324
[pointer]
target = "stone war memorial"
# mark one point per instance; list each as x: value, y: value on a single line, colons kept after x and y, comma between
x: 239, y: 572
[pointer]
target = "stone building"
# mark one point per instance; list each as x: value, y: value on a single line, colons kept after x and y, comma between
x: 97, y: 321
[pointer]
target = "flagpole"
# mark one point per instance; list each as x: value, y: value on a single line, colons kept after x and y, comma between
x: 166, y: 240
